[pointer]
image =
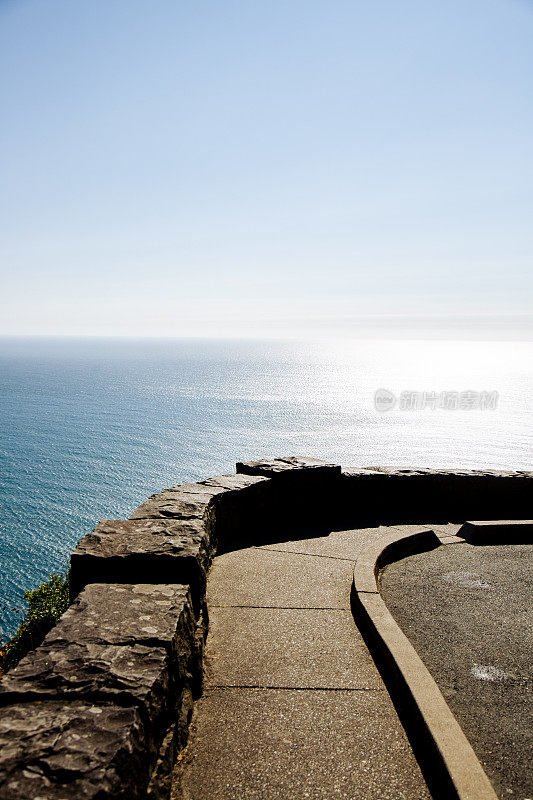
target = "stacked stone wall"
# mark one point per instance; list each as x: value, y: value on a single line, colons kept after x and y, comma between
x: 101, y: 709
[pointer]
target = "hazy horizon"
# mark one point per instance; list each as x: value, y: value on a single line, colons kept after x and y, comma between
x: 284, y: 170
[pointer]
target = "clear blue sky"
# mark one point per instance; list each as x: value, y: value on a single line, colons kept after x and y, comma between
x: 288, y: 167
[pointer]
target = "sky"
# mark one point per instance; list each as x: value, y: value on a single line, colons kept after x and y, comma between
x: 288, y: 168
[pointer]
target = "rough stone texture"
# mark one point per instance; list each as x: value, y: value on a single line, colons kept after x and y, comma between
x: 128, y: 614
x: 230, y: 506
x: 128, y: 653
x: 137, y: 675
x: 202, y: 626
x: 190, y: 500
x: 491, y: 473
x: 304, y: 745
x: 144, y: 551
x: 241, y: 512
x: 161, y: 777
x: 132, y: 645
x: 193, y: 502
x: 187, y: 502
x: 54, y: 750
x: 173, y: 504
x: 233, y: 482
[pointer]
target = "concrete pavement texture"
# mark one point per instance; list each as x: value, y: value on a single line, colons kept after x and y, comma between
x: 293, y: 706
x: 468, y: 612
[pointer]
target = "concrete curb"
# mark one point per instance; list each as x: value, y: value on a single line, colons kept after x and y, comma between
x: 125, y: 735
x: 443, y: 735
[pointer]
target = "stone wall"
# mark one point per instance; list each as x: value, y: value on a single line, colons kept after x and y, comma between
x: 101, y: 709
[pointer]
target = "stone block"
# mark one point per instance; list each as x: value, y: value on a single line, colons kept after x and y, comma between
x: 230, y: 507
x: 143, y: 551
x: 297, y: 467
x: 127, y: 614
x: 503, y: 531
x: 240, y: 512
x: 122, y: 644
x: 233, y: 482
x: 303, y: 491
x: 172, y: 505
x: 227, y: 505
x: 388, y: 495
x: 176, y: 503
x: 79, y: 750
x: 185, y: 501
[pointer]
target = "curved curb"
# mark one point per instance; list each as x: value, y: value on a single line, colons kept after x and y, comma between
x: 444, y: 735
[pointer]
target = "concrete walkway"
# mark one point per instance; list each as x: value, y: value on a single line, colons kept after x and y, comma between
x: 293, y: 705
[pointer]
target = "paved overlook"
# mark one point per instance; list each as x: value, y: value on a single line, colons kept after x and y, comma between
x: 473, y: 627
x: 293, y: 704
x: 229, y: 641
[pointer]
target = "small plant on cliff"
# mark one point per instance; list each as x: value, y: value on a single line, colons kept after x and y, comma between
x: 45, y: 606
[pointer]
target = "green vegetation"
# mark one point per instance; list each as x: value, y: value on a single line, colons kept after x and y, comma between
x: 45, y: 606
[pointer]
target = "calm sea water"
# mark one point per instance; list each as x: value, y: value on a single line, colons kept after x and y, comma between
x: 88, y: 429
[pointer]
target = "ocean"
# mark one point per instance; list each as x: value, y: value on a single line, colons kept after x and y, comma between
x: 90, y: 428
